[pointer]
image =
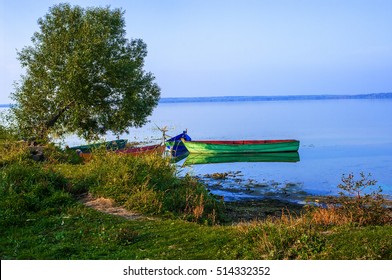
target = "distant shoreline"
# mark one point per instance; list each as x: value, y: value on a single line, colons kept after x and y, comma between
x: 387, y: 95
x: 273, y: 98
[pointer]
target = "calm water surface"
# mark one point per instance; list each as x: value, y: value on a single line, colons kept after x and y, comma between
x: 337, y: 137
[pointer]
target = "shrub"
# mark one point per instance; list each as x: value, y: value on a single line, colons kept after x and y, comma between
x: 354, y: 205
x: 12, y: 151
x: 55, y: 155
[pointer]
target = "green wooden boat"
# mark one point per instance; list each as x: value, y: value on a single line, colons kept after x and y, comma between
x: 110, y: 145
x: 193, y: 159
x: 241, y: 146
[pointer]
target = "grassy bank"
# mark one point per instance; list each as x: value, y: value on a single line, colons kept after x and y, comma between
x: 42, y: 216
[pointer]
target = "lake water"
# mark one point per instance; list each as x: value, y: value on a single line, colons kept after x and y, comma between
x: 337, y: 137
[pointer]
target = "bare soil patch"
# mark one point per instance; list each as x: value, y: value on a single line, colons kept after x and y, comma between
x: 245, y: 211
x: 108, y: 206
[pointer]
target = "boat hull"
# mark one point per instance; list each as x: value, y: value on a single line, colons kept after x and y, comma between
x: 241, y: 146
x: 110, y: 145
x: 142, y: 150
x: 176, y: 146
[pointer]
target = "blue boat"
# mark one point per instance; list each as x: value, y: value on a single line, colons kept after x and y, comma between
x: 176, y: 146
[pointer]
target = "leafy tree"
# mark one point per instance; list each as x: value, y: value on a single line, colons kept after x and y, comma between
x: 83, y: 76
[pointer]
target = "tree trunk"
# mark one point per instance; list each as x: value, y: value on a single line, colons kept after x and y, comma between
x: 50, y: 123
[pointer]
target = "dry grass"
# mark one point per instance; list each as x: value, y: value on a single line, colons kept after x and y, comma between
x: 329, y: 216
x: 198, y: 209
x: 305, y: 235
x: 108, y: 206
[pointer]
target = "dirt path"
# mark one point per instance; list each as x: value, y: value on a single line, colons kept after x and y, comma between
x: 235, y: 211
x: 107, y: 206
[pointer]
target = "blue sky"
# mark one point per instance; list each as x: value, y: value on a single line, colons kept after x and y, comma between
x: 223, y: 48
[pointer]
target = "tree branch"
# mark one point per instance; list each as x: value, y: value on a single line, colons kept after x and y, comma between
x: 54, y: 119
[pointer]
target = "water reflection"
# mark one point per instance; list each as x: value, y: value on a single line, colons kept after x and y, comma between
x: 193, y: 159
x: 235, y: 185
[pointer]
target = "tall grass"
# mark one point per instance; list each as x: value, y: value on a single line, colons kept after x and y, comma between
x: 288, y: 237
x: 146, y: 183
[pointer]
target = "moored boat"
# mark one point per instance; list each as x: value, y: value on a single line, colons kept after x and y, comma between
x: 110, y: 145
x: 143, y: 149
x: 176, y: 146
x: 241, y: 146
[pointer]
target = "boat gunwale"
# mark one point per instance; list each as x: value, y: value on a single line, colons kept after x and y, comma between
x: 141, y: 149
x: 242, y: 142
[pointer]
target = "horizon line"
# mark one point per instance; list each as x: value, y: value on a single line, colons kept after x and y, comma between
x: 381, y: 95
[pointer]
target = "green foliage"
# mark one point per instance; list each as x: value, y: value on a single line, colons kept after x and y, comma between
x: 12, y: 151
x: 26, y: 190
x: 55, y: 155
x: 78, y: 232
x: 147, y: 184
x: 7, y: 132
x: 306, y: 241
x: 83, y: 76
x: 82, y: 233
x: 4, y: 133
x: 285, y: 239
x: 365, y: 243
